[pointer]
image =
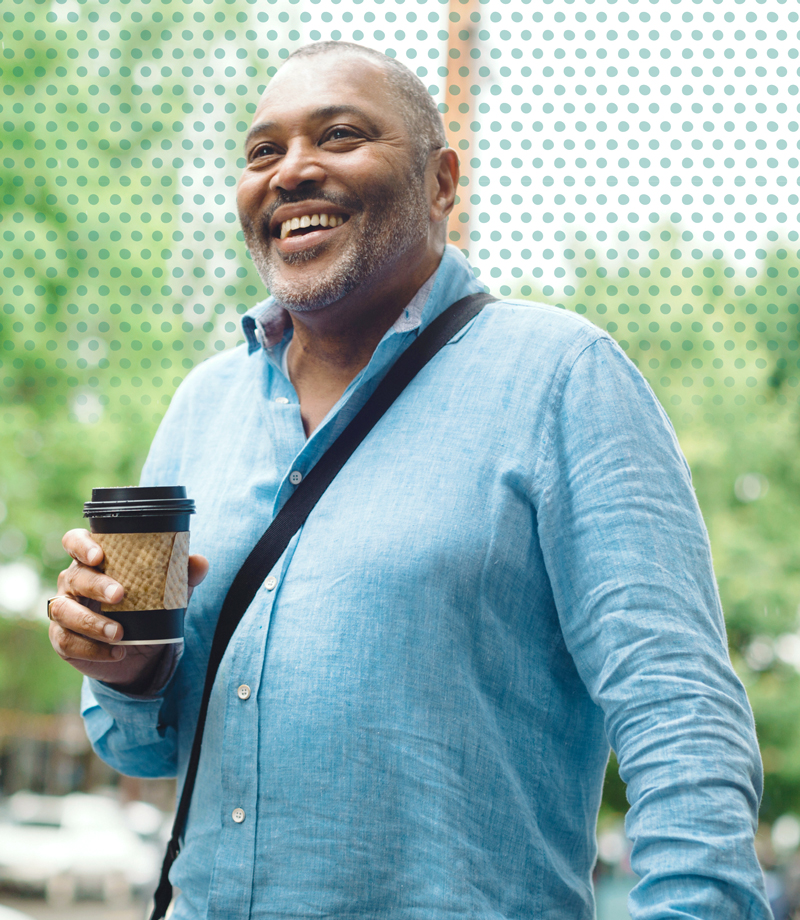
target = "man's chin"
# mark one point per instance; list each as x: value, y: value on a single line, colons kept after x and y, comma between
x: 305, y: 299
x: 307, y: 294
x: 299, y: 289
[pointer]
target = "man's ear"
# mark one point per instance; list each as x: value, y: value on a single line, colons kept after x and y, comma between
x: 444, y: 166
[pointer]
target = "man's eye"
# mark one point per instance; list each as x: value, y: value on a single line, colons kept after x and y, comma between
x: 340, y: 133
x: 262, y: 150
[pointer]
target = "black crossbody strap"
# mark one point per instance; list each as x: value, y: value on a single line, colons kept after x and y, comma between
x: 288, y: 521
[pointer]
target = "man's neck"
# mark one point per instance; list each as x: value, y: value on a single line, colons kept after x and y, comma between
x: 328, y: 351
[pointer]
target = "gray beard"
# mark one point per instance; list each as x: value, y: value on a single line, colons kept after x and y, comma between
x: 394, y: 227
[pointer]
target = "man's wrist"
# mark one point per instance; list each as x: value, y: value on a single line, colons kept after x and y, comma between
x: 155, y: 676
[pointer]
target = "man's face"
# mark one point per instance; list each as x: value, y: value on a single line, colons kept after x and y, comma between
x: 329, y: 151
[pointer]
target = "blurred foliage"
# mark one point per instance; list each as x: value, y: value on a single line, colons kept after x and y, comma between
x: 117, y: 177
x: 123, y: 266
x: 28, y: 680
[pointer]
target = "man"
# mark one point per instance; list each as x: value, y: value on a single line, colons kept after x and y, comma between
x: 413, y: 718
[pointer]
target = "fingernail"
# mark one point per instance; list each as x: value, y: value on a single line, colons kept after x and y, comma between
x: 117, y: 652
x: 110, y: 630
x: 111, y: 592
x: 93, y: 556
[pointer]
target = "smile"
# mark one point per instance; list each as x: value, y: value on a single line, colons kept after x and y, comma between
x: 298, y: 226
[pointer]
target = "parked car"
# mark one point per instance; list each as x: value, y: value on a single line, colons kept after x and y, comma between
x: 76, y: 845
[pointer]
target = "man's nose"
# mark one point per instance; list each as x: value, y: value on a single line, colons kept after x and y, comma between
x: 300, y: 163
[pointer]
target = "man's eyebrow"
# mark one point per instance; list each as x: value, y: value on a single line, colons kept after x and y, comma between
x: 321, y: 114
x: 263, y: 127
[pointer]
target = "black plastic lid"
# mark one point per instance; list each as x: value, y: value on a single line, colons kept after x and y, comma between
x: 138, y: 500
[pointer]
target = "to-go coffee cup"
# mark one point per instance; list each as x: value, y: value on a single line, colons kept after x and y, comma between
x: 144, y: 532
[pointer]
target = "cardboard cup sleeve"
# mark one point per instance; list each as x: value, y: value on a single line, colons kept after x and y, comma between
x: 152, y: 567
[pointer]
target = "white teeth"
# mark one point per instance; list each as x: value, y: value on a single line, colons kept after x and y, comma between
x: 309, y: 220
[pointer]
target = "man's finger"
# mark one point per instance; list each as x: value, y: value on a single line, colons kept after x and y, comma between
x: 72, y: 647
x: 82, y: 581
x: 70, y: 616
x: 80, y: 545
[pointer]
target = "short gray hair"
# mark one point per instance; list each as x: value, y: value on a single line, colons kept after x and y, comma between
x: 419, y: 111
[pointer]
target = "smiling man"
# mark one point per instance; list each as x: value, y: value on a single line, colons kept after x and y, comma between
x: 413, y: 718
x: 379, y: 186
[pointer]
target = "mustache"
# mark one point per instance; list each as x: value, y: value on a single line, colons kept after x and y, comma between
x: 351, y: 204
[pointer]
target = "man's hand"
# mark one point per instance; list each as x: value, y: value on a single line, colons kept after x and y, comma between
x: 81, y: 634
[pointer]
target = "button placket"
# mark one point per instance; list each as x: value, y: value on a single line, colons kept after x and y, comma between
x: 240, y: 742
x: 239, y: 749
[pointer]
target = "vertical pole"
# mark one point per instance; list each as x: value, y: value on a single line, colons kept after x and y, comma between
x: 462, y: 110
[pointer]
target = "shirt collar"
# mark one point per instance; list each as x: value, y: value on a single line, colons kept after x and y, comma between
x: 268, y: 325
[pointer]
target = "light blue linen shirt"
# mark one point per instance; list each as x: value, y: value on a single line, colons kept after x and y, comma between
x: 509, y: 574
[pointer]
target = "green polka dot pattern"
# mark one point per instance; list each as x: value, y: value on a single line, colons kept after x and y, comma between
x: 629, y: 162
x: 634, y: 161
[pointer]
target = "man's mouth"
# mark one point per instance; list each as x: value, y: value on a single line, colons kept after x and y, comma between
x: 299, y: 226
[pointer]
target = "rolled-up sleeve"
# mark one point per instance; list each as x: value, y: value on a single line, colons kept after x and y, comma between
x: 630, y: 565
x: 131, y: 734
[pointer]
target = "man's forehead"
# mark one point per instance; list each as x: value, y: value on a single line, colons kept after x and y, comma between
x: 329, y: 79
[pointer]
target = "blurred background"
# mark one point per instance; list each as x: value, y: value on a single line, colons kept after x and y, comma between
x: 632, y: 161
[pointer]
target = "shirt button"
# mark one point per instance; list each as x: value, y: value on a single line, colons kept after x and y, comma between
x: 238, y: 815
x: 243, y: 692
x: 271, y: 583
x: 295, y: 477
x: 282, y: 401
